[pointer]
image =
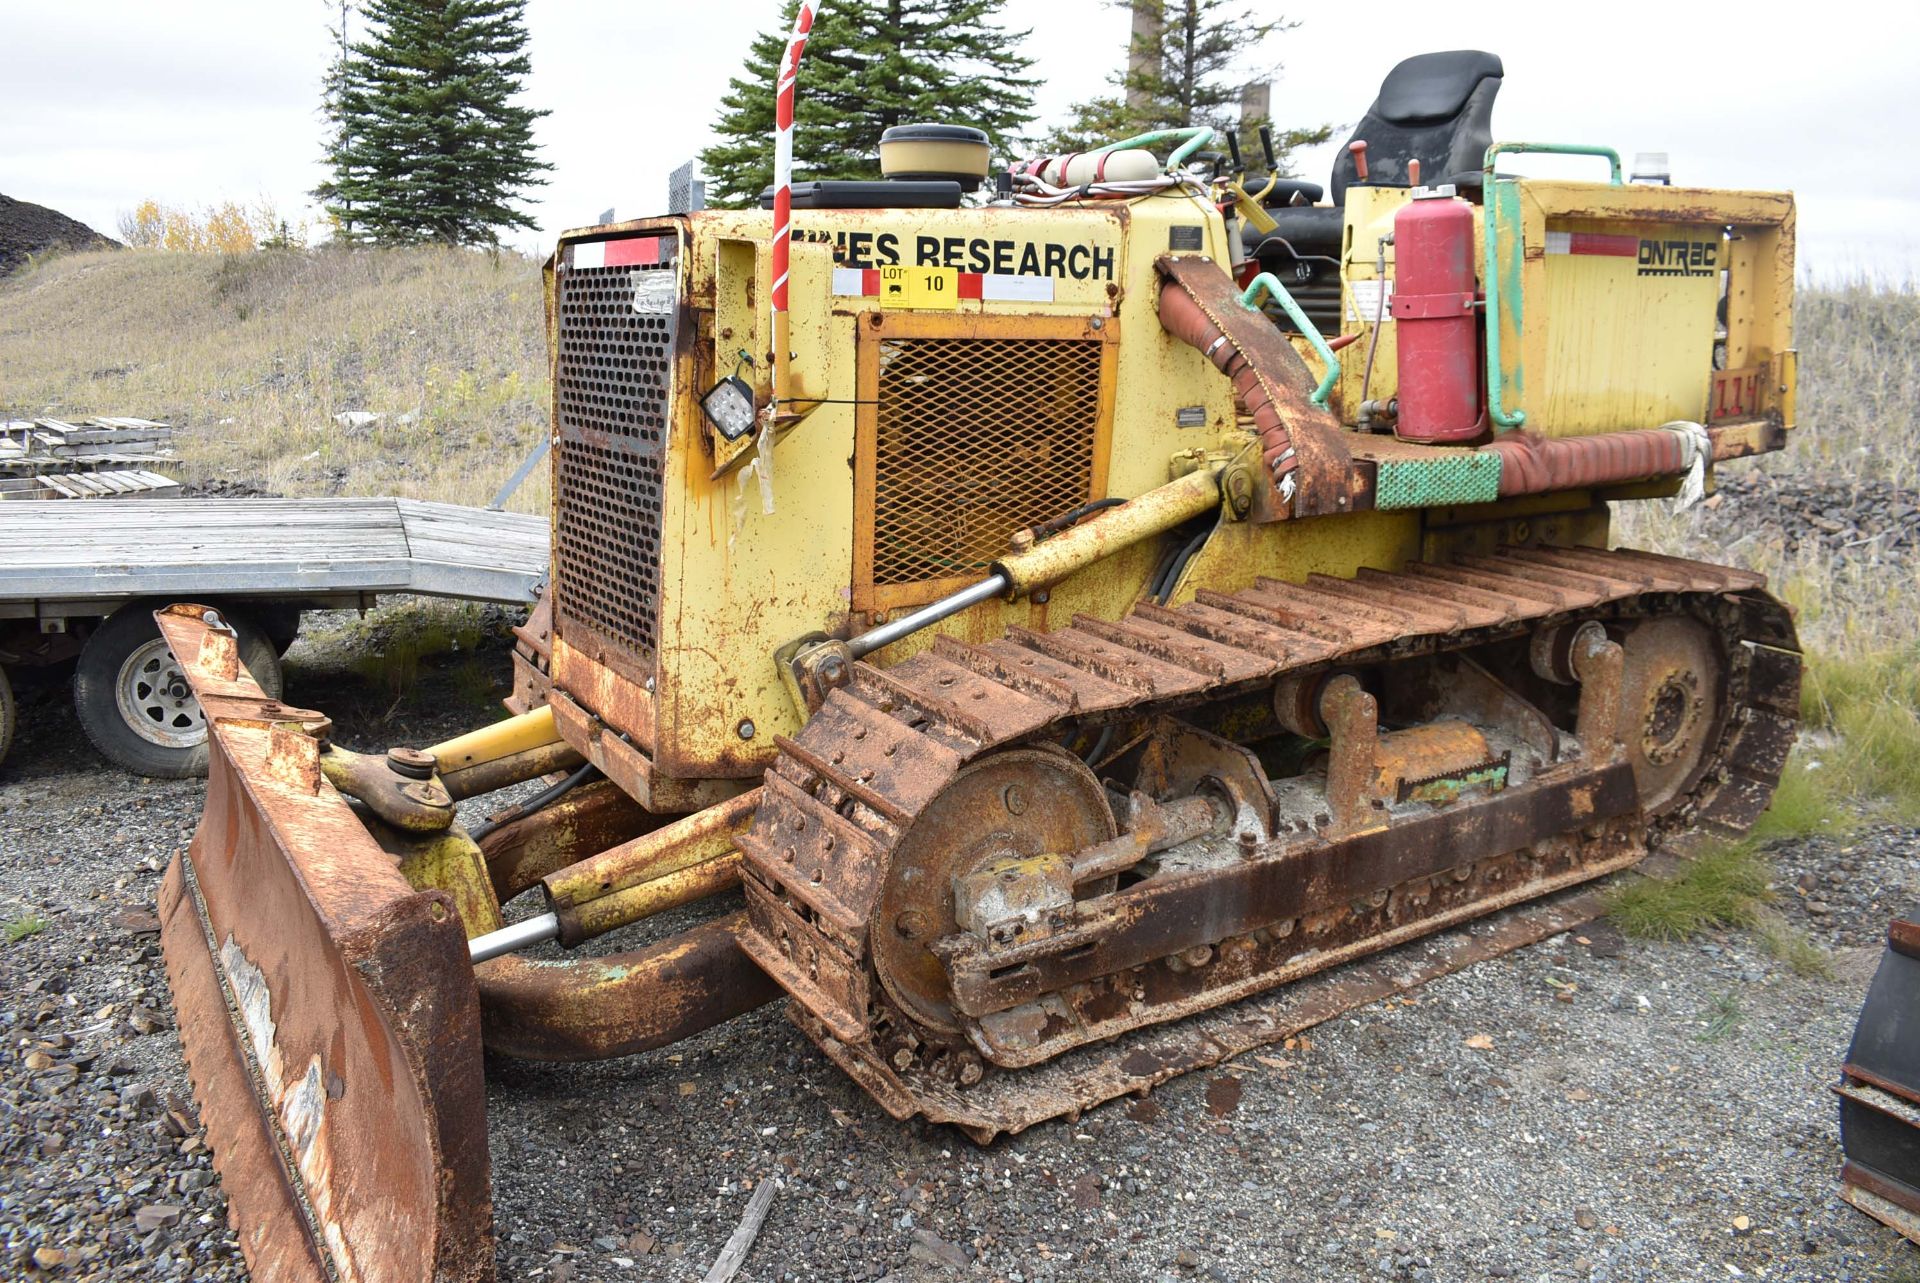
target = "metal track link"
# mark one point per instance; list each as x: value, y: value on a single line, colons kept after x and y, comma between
x: 847, y: 788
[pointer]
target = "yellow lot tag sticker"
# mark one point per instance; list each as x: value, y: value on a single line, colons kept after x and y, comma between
x: 936, y: 288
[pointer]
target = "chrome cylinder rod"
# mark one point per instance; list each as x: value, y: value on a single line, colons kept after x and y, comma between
x: 513, y: 938
x: 932, y: 613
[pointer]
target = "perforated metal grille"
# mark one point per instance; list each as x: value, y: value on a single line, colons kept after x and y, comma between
x: 612, y: 390
x: 1459, y: 476
x: 975, y: 438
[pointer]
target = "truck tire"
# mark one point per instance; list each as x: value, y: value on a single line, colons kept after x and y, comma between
x: 133, y: 699
x: 280, y: 622
x: 7, y: 714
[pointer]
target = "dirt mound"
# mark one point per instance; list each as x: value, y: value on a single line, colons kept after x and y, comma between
x: 26, y: 228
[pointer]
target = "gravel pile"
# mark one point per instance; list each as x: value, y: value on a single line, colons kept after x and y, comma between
x: 223, y: 488
x: 1591, y: 1108
x: 1860, y: 519
x: 1587, y: 1109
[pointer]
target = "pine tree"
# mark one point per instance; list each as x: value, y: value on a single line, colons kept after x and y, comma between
x: 339, y: 127
x: 1177, y: 75
x: 425, y: 141
x: 870, y: 65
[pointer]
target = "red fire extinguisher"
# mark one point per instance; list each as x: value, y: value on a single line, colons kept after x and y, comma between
x: 1433, y: 311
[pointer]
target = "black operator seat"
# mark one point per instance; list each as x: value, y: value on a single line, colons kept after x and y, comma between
x: 1436, y: 108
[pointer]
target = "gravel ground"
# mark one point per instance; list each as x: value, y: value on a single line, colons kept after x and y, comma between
x: 1589, y: 1108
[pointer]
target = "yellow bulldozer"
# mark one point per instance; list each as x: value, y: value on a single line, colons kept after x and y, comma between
x: 1054, y: 625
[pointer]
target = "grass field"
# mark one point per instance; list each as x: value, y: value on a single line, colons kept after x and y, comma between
x: 251, y: 357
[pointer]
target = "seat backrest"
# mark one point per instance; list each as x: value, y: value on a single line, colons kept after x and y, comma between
x: 1436, y: 108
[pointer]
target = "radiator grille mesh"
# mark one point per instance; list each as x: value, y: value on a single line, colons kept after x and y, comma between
x: 973, y: 439
x: 612, y: 392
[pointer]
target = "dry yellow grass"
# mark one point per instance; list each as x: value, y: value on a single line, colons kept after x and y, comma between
x: 251, y: 357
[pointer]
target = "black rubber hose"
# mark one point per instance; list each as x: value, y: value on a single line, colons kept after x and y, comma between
x: 1054, y: 525
x: 1100, y: 746
x: 540, y: 802
x: 1163, y: 591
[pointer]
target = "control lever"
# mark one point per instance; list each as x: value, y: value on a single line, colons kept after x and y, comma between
x: 1247, y: 204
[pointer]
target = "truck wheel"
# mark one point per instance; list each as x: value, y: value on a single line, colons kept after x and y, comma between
x: 281, y: 624
x: 6, y: 716
x: 134, y: 700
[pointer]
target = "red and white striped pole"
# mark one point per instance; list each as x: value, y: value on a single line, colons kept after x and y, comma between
x: 783, y: 195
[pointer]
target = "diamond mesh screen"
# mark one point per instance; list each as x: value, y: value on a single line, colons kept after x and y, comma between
x: 973, y: 439
x: 612, y: 386
x: 1460, y: 476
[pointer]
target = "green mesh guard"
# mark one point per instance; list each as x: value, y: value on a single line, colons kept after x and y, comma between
x: 1462, y: 476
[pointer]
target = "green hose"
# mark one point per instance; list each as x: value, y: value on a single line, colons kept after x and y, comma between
x: 1195, y: 138
x: 1269, y: 284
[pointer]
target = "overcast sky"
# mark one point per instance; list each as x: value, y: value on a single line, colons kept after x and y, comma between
x: 108, y: 102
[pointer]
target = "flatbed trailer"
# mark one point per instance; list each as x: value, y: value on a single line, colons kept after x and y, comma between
x: 80, y: 580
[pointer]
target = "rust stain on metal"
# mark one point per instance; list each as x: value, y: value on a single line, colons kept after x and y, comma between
x: 1040, y: 970
x: 623, y: 1003
x: 293, y: 758
x: 1353, y: 723
x: 218, y: 656
x: 1200, y: 304
x: 503, y: 772
x: 1883, y: 1200
x: 642, y: 900
x: 629, y: 766
x: 582, y: 822
x: 685, y: 860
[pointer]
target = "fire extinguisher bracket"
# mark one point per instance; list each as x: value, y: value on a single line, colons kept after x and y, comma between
x: 1427, y: 307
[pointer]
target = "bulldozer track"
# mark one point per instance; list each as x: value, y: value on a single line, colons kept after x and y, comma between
x: 848, y: 787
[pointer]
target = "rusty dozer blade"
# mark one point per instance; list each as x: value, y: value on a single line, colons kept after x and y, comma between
x: 329, y: 1014
x: 1879, y: 1089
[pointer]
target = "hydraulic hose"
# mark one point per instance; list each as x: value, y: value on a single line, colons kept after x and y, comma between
x: 540, y: 802
x: 1182, y: 317
x: 1163, y: 591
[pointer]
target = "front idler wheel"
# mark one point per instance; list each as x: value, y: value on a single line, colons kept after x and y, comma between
x: 1020, y: 803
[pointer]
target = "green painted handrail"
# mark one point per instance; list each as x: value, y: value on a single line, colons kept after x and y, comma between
x: 1490, y: 219
x: 1555, y: 149
x: 1193, y: 139
x: 1268, y: 283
